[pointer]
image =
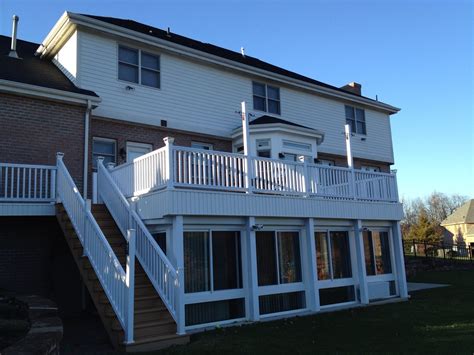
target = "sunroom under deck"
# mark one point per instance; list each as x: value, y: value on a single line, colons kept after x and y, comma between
x: 239, y: 269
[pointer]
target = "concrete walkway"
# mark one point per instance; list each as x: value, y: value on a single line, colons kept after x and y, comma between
x: 418, y: 286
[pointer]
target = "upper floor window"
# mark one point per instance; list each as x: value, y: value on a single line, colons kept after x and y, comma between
x: 355, y: 117
x: 266, y: 98
x: 137, y: 66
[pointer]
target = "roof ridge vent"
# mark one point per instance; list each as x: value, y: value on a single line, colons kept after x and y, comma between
x: 168, y: 32
x: 13, y: 52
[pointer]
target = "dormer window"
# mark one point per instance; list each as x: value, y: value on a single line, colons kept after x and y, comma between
x: 266, y: 98
x: 137, y: 66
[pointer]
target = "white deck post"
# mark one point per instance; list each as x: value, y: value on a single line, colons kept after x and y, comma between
x: 361, y: 271
x: 169, y: 142
x: 395, y: 184
x: 100, y: 162
x: 350, y: 160
x: 88, y: 207
x: 309, y: 261
x: 178, y: 253
x: 247, y: 150
x: 130, y: 281
x: 59, y: 157
x: 95, y: 198
x: 399, y: 259
x: 252, y: 286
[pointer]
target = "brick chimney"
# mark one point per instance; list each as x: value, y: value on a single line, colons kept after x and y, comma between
x: 353, y: 87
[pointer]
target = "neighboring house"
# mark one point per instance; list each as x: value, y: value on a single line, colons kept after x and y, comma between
x: 460, y: 226
x: 221, y: 235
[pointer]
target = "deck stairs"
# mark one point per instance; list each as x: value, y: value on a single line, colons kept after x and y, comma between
x: 154, y: 328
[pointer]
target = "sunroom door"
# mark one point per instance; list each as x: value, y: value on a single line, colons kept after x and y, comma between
x: 380, y: 270
x: 335, y: 260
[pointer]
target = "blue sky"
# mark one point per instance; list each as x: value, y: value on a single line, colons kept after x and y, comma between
x: 417, y: 55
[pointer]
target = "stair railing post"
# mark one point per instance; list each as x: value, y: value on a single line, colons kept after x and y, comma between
x: 169, y: 142
x: 87, y: 209
x: 59, y: 158
x: 133, y: 208
x: 180, y: 302
x: 130, y: 282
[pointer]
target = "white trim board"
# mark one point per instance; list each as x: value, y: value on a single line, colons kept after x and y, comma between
x: 27, y: 209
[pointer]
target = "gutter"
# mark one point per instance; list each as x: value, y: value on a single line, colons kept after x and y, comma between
x: 71, y: 19
x: 14, y: 87
x: 86, y: 148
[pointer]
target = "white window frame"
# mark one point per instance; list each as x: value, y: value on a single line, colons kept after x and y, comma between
x: 354, y: 109
x: 202, y: 145
x: 139, y: 66
x: 105, y: 140
x: 266, y: 98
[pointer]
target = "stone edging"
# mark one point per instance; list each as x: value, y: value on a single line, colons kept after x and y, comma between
x: 46, y: 329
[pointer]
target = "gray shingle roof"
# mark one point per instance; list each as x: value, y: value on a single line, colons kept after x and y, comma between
x: 30, y: 69
x: 464, y: 214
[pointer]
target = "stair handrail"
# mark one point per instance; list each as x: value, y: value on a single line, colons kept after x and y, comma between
x: 164, y: 277
x: 116, y: 282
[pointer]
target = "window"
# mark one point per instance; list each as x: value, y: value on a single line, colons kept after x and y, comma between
x: 336, y: 295
x: 264, y: 148
x: 201, y: 145
x: 139, y: 67
x: 266, y: 98
x: 212, y: 261
x: 377, y: 253
x: 333, y: 255
x: 355, y: 117
x: 104, y: 147
x: 297, y: 145
x: 278, y: 258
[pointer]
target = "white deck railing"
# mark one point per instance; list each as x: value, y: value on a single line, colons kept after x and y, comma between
x: 157, y: 266
x: 27, y: 183
x: 180, y: 167
x: 117, y: 283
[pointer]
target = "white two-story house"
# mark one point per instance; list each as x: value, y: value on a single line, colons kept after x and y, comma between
x: 235, y: 184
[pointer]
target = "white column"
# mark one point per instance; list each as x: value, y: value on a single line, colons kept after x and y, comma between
x: 309, y: 266
x: 247, y: 149
x: 177, y: 241
x: 350, y: 160
x: 399, y: 259
x: 359, y: 242
x: 169, y: 141
x: 253, y: 310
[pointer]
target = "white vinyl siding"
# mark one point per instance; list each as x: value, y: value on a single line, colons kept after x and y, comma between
x: 67, y: 57
x: 203, y: 99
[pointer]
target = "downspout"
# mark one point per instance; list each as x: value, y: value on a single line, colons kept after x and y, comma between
x: 86, y: 148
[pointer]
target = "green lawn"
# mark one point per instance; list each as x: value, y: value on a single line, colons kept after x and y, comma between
x: 438, y: 320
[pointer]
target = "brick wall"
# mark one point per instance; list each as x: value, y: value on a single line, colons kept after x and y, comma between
x: 33, y: 130
x: 123, y: 131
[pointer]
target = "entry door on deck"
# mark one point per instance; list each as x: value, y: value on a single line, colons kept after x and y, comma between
x: 134, y: 150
